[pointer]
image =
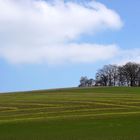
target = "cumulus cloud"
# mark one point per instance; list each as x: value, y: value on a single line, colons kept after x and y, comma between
x: 34, y: 31
x: 73, y: 53
x: 127, y: 55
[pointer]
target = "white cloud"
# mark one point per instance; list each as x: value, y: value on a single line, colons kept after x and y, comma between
x: 127, y: 55
x: 73, y: 53
x: 34, y: 31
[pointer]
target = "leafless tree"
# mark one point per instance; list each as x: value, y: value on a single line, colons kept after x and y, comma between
x: 108, y: 75
x: 113, y: 75
x: 131, y: 73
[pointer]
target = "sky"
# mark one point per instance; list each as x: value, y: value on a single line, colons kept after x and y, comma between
x: 52, y: 43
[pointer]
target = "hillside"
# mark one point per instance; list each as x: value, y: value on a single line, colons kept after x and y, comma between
x: 101, y: 113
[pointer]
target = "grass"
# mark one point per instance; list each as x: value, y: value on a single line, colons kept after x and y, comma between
x: 106, y: 113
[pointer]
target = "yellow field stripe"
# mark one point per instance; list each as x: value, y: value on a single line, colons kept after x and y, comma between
x: 49, y: 107
x: 71, y: 116
x: 121, y: 105
x: 32, y: 104
x: 65, y: 111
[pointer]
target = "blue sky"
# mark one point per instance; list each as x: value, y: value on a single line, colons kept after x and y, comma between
x: 41, y: 47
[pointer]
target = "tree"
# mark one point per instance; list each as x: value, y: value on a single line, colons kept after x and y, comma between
x: 113, y: 75
x: 121, y: 78
x: 108, y: 75
x: 90, y: 82
x: 131, y: 73
x: 83, y: 81
x: 101, y: 78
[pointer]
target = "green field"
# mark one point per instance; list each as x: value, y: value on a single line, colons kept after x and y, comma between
x: 111, y: 113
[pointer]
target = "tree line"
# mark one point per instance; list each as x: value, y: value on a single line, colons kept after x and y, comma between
x: 114, y: 75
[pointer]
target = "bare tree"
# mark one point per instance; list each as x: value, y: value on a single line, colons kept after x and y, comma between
x: 91, y: 82
x: 83, y: 81
x: 101, y: 78
x: 122, y: 81
x: 108, y: 75
x: 113, y: 75
x: 131, y: 73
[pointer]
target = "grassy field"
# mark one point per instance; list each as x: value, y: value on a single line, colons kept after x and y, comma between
x: 111, y: 113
